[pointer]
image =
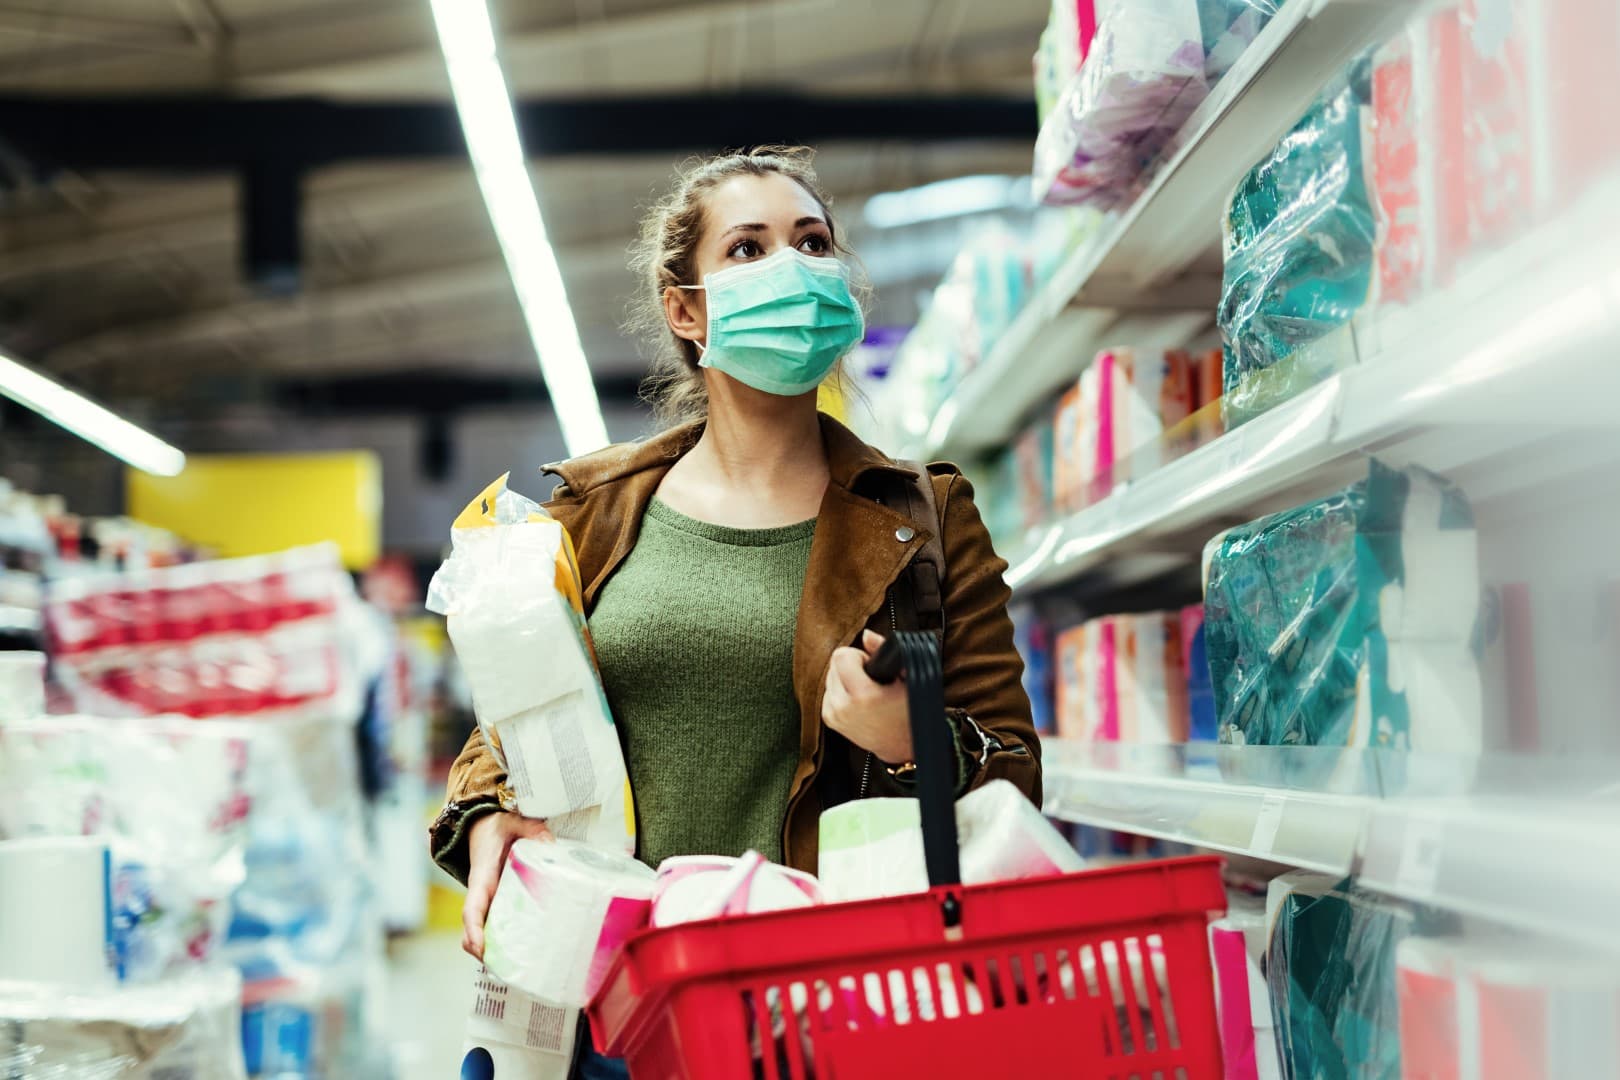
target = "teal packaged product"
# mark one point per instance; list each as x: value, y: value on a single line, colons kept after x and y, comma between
x: 1230, y: 27
x: 1348, y: 623
x: 1298, y: 252
x: 1330, y: 968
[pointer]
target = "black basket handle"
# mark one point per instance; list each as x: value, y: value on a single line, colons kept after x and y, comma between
x: 916, y: 656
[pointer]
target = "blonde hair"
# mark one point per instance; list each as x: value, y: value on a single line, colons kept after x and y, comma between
x: 665, y: 254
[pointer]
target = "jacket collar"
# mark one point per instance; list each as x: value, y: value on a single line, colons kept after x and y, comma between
x: 848, y: 458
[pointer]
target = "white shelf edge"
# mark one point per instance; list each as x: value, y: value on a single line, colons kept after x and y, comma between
x: 1552, y: 870
x: 1543, y: 311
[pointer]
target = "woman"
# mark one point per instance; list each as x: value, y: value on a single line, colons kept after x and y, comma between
x: 741, y: 567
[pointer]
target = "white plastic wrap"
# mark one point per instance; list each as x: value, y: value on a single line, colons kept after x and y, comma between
x: 1140, y: 82
x: 182, y: 1028
x: 510, y: 592
x: 691, y: 888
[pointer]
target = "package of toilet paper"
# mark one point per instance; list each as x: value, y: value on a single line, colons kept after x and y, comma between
x: 696, y: 887
x: 561, y: 912
x: 1237, y: 945
x: 514, y: 607
x: 1349, y: 623
x: 512, y: 1036
x: 873, y: 847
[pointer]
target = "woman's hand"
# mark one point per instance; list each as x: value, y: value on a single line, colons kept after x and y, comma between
x: 868, y: 714
x: 488, y: 841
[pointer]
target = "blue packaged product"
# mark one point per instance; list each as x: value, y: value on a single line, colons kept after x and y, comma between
x: 1348, y: 623
x: 1298, y: 249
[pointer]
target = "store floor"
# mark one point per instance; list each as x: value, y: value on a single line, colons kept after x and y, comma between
x: 429, y: 990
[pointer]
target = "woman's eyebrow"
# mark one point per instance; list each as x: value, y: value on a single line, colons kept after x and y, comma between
x: 802, y: 222
x: 751, y: 226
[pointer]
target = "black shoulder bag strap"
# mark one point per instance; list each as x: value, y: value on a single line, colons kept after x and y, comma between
x: 920, y: 602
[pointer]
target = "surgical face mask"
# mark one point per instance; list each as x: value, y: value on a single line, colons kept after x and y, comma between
x: 779, y: 324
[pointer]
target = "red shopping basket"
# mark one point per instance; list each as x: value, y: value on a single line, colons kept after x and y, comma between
x: 1104, y: 973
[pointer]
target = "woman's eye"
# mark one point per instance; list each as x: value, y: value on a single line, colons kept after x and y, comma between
x: 814, y: 244
x: 746, y: 249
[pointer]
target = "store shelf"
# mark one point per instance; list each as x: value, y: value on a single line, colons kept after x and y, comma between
x: 1474, y: 377
x: 1162, y: 252
x: 1551, y: 866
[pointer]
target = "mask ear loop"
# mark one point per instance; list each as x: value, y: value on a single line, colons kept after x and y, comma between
x: 699, y: 344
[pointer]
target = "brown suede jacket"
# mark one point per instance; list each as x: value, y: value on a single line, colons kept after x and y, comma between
x: 856, y: 560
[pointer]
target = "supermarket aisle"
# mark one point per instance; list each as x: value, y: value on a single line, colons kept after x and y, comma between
x: 429, y: 989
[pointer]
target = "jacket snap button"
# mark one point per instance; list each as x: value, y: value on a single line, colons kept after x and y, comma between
x: 904, y: 534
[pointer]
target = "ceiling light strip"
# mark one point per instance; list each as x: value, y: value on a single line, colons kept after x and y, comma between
x: 485, y: 107
x: 89, y: 421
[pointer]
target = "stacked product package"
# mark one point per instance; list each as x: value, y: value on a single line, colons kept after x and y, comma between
x: 1448, y: 141
x: 1348, y: 625
x: 1131, y: 74
x: 113, y: 888
x: 514, y: 607
x: 234, y: 826
x: 1129, y: 679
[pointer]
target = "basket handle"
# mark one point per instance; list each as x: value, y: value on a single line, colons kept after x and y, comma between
x: 916, y: 656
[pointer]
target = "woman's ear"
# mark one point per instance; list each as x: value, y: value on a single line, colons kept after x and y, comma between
x: 687, y: 314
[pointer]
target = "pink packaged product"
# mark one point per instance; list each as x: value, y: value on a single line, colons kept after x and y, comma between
x: 1418, y: 155
x: 1237, y: 946
x: 258, y: 637
x: 1504, y: 1011
x: 692, y: 888
x: 1152, y: 685
x: 1087, y: 682
x: 1067, y: 425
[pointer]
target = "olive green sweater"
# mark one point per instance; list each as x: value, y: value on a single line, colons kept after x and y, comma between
x: 694, y: 633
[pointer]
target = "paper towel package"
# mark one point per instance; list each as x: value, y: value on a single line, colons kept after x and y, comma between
x: 186, y: 1027
x: 56, y: 911
x: 511, y: 1036
x: 1152, y: 686
x: 1487, y: 1009
x: 693, y: 888
x: 873, y: 848
x: 514, y: 608
x: 561, y: 912
x: 22, y: 685
x: 1088, y: 682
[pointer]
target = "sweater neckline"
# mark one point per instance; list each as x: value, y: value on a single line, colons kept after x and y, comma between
x: 774, y: 536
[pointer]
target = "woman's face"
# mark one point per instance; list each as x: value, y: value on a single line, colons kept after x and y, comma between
x: 748, y: 218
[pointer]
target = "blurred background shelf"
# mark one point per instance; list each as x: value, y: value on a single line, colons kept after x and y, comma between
x: 1471, y: 381
x: 1152, y: 273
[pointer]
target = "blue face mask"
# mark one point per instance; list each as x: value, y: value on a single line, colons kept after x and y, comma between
x: 780, y: 324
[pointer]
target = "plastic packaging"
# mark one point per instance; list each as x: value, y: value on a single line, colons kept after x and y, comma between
x: 1230, y: 27
x: 561, y: 912
x: 692, y: 888
x: 182, y: 1028
x: 1032, y: 635
x: 1242, y: 998
x: 1349, y: 622
x: 56, y: 910
x: 22, y: 685
x: 1331, y: 968
x: 873, y: 847
x: 514, y: 606
x: 1299, y: 237
x: 511, y: 1036
x: 1141, y: 80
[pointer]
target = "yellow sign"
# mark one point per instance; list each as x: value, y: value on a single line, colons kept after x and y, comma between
x: 251, y: 504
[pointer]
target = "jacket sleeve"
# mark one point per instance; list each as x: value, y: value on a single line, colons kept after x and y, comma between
x: 983, y: 671
x: 475, y: 779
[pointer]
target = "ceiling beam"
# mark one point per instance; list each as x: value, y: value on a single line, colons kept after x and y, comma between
x: 212, y: 134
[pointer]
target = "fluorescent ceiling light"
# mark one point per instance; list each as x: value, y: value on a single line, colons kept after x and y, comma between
x: 947, y: 199
x: 468, y: 41
x: 87, y: 420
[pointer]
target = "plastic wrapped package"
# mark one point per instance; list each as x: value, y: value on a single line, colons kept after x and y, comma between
x: 1298, y: 252
x: 1477, y: 1009
x: 1331, y: 968
x: 1349, y: 623
x: 1237, y: 945
x: 1033, y: 453
x: 185, y: 1027
x: 512, y: 1035
x: 1152, y: 680
x: 1088, y: 682
x: 1064, y: 44
x: 1032, y: 636
x: 1140, y: 82
x: 547, y: 723
x: 1201, y: 724
x: 266, y: 637
x: 1230, y: 27
x: 307, y: 1021
x: 170, y: 796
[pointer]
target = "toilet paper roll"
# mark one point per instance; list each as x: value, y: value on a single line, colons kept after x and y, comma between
x: 511, y: 1036
x: 561, y: 913
x: 22, y: 685
x: 56, y: 911
x: 873, y: 847
x: 691, y: 889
